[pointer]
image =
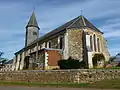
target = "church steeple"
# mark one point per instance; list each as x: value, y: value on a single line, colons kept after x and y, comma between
x: 32, y: 30
x: 32, y: 21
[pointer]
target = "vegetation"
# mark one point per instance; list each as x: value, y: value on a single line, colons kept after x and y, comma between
x: 114, y: 62
x: 113, y: 83
x: 70, y: 64
x: 104, y: 84
x: 112, y: 59
x: 2, y: 60
x: 96, y: 58
x: 46, y: 84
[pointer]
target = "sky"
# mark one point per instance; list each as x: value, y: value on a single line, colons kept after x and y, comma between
x: 14, y: 15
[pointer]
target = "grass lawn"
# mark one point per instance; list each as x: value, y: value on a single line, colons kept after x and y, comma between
x: 82, y: 85
x: 105, y: 84
x: 114, y: 83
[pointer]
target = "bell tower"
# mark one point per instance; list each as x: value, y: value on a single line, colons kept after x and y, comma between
x: 32, y: 30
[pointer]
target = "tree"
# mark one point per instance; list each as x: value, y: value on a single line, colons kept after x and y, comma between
x: 112, y: 59
x: 2, y: 60
x: 118, y: 54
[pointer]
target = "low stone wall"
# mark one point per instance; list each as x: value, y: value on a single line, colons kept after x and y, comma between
x: 60, y: 76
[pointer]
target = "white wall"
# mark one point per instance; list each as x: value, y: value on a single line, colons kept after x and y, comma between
x: 13, y: 64
x: 17, y: 62
x: 22, y: 61
x: 90, y: 64
x: 65, y: 53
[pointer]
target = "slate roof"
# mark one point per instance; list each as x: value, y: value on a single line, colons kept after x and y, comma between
x: 9, y: 62
x: 32, y: 21
x: 81, y: 21
x: 78, y: 22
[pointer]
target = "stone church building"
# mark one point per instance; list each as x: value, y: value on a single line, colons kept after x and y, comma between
x: 77, y: 38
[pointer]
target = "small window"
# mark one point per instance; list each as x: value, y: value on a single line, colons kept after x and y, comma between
x: 91, y: 44
x: 94, y: 37
x: 61, y: 44
x: 46, y: 45
x: 98, y: 44
x: 49, y: 44
x: 34, y: 33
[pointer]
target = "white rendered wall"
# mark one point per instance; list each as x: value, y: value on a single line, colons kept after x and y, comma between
x: 65, y: 53
x: 22, y: 61
x: 46, y: 59
x: 17, y: 63
x: 89, y: 51
x: 13, y: 64
x: 43, y: 46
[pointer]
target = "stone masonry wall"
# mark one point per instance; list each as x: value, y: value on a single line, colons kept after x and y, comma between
x: 60, y: 76
x: 54, y: 42
x: 75, y: 43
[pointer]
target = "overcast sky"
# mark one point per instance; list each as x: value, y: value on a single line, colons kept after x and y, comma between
x: 14, y: 15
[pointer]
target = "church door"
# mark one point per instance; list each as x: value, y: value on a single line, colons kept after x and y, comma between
x: 26, y: 62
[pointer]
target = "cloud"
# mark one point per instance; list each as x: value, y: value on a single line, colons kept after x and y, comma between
x: 112, y: 34
x: 114, y: 51
x: 111, y: 28
x: 53, y: 13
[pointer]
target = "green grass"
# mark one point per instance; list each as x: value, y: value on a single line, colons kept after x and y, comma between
x: 104, y: 84
x: 46, y: 84
x: 114, y: 83
x: 107, y: 68
x: 114, y: 68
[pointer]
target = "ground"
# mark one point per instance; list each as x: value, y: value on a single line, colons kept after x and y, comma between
x: 38, y: 88
x: 113, y: 84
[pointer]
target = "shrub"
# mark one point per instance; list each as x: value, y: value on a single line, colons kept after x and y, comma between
x: 96, y: 58
x: 70, y: 64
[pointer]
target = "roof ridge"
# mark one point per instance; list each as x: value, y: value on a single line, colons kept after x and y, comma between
x: 92, y: 25
x: 83, y: 20
x: 74, y: 22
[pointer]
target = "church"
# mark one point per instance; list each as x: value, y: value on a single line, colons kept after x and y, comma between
x: 78, y: 39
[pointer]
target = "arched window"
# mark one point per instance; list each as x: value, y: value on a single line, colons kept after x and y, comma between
x: 94, y: 38
x: 61, y: 42
x: 91, y: 46
x: 98, y: 44
x: 46, y: 45
x: 49, y: 44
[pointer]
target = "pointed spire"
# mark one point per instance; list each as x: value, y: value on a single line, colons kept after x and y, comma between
x: 32, y: 22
